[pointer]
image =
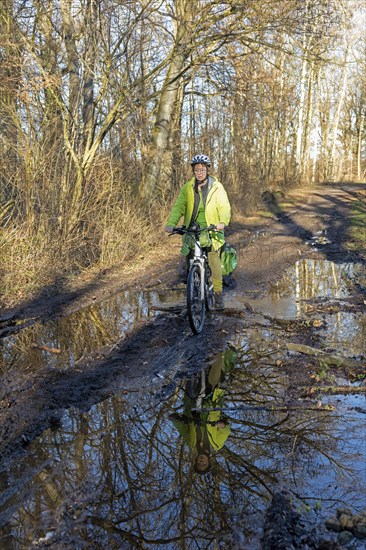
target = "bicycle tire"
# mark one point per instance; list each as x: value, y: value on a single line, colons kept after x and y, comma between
x: 209, y: 291
x: 195, y: 305
x: 193, y: 386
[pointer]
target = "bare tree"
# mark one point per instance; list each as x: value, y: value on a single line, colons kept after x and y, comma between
x: 200, y: 29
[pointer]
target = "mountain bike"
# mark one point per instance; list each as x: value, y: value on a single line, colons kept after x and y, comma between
x: 200, y: 293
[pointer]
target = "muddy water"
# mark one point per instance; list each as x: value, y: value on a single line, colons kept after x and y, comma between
x: 124, y: 474
x: 72, y: 338
x: 320, y: 289
x: 305, y: 288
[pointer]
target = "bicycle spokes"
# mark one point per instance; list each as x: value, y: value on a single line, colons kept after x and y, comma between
x: 195, y: 300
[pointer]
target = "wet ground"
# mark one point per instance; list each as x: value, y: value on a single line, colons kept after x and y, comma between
x: 120, y: 429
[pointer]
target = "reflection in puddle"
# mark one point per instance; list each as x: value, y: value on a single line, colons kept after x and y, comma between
x: 81, y: 333
x: 201, y: 422
x: 320, y: 282
x: 198, y: 468
x: 124, y: 474
x: 346, y: 332
x: 310, y: 280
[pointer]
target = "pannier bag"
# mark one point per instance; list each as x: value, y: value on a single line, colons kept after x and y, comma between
x: 229, y: 259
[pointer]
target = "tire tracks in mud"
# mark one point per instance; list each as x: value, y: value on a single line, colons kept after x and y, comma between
x: 144, y: 361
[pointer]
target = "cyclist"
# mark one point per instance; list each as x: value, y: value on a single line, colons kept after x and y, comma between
x: 206, y: 430
x: 203, y: 200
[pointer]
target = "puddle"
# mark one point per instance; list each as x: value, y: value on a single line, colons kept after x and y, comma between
x: 124, y: 474
x: 320, y: 283
x: 310, y: 280
x: 73, y: 337
x: 319, y: 239
x: 346, y: 332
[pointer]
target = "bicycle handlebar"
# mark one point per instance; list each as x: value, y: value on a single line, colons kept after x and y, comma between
x: 195, y: 229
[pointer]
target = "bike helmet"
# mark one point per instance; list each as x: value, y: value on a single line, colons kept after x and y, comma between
x: 201, y: 159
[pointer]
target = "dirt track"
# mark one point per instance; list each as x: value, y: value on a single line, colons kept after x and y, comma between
x: 33, y: 401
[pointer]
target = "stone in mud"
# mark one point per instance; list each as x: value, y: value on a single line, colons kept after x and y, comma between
x: 346, y: 522
x: 345, y: 537
x: 333, y: 524
x: 341, y: 511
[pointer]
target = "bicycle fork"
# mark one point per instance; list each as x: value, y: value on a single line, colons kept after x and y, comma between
x: 199, y: 260
x: 203, y: 280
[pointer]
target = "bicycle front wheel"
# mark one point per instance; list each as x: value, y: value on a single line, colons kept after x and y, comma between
x: 209, y: 291
x: 195, y: 302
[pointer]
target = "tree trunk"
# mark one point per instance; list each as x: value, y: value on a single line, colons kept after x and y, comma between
x: 301, y: 112
x: 88, y: 81
x: 337, y: 117
x: 359, y: 144
x: 72, y: 58
x: 184, y: 12
x: 308, y: 122
x: 10, y: 79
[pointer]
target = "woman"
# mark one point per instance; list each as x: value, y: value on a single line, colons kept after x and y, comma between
x: 203, y: 200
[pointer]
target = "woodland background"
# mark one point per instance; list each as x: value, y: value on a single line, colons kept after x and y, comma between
x: 103, y: 102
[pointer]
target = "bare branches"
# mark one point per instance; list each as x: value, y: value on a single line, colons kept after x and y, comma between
x: 137, y: 86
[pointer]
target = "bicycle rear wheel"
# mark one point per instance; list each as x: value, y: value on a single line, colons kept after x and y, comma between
x: 195, y: 303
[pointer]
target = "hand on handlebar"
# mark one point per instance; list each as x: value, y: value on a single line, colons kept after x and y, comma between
x: 175, y: 230
x: 219, y: 227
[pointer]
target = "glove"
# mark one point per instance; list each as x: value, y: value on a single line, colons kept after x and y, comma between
x: 169, y: 229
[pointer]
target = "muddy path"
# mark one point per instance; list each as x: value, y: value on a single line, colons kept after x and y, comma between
x: 30, y: 400
x: 148, y: 356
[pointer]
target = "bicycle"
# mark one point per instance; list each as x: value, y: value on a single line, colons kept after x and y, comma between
x: 200, y: 293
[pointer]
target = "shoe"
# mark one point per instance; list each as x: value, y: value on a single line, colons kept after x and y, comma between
x: 219, y: 301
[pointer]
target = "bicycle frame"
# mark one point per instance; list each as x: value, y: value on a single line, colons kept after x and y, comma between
x: 199, y: 285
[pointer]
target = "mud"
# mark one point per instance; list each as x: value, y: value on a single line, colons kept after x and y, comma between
x: 148, y: 356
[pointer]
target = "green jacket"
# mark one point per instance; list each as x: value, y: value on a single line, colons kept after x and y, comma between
x: 207, y: 426
x: 217, y: 207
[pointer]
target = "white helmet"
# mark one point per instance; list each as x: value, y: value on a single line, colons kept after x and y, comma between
x: 201, y: 159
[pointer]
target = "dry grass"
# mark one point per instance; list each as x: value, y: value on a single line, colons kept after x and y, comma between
x: 356, y: 234
x: 28, y: 262
x: 42, y: 256
x: 44, y: 253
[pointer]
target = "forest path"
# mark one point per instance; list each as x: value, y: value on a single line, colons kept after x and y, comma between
x: 33, y: 399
